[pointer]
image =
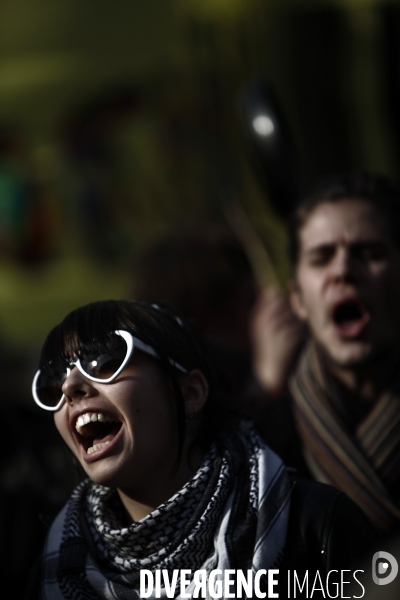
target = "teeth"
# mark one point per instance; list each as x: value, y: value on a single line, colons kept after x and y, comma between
x: 96, y: 447
x: 90, y: 417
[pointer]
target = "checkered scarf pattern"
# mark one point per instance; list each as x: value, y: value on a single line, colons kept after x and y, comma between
x: 232, y: 514
x: 365, y: 464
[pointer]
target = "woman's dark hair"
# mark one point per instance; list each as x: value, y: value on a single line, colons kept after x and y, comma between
x: 92, y: 326
x: 380, y: 191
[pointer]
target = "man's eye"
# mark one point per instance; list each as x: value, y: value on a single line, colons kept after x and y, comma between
x: 320, y: 259
x: 371, y: 253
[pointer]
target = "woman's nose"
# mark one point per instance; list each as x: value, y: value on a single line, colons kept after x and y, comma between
x: 76, y: 386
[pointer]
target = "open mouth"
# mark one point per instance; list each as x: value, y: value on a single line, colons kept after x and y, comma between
x: 96, y: 431
x: 350, y: 317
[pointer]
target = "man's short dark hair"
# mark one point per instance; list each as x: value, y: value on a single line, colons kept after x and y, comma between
x: 381, y: 191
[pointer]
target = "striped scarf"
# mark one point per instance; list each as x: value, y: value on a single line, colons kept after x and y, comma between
x: 232, y: 514
x: 364, y: 463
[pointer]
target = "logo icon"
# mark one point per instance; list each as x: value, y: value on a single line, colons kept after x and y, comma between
x: 384, y: 568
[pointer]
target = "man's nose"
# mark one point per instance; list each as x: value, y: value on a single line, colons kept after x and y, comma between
x: 342, y: 266
x: 76, y: 386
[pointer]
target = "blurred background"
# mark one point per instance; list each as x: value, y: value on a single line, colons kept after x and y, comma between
x: 122, y: 120
x: 118, y: 121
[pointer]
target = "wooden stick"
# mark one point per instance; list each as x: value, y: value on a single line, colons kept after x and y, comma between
x: 255, y: 249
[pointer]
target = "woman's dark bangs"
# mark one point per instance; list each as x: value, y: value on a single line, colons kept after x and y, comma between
x: 90, y: 326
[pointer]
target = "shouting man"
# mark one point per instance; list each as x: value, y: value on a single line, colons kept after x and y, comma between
x: 341, y: 424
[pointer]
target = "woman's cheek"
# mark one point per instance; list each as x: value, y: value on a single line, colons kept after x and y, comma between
x: 62, y: 427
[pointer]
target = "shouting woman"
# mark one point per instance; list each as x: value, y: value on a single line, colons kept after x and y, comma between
x: 173, y: 483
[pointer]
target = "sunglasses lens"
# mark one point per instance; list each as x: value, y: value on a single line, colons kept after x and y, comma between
x: 104, y: 365
x: 48, y: 388
x: 99, y: 363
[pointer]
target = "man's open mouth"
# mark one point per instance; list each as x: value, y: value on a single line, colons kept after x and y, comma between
x: 96, y: 430
x: 350, y: 317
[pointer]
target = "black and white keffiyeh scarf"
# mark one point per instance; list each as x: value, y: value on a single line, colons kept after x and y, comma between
x: 232, y: 514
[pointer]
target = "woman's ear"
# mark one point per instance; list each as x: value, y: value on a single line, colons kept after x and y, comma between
x: 195, y: 391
